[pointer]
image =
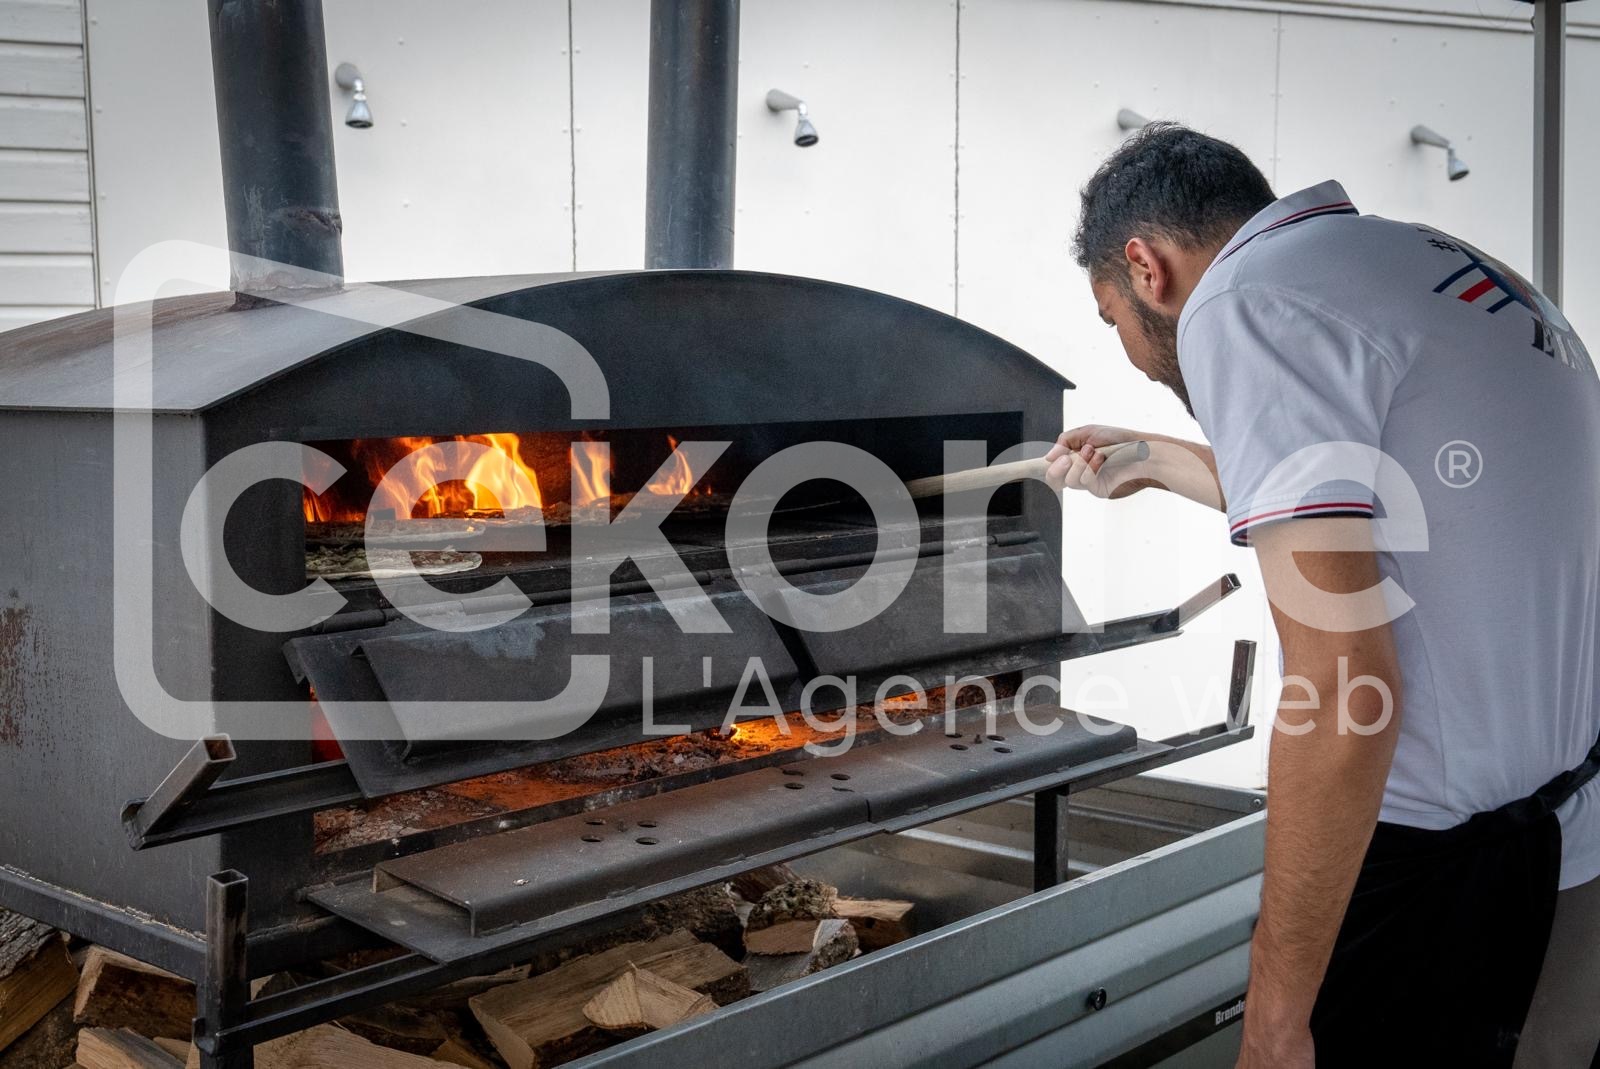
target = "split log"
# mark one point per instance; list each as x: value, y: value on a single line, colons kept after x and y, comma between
x: 51, y: 1042
x: 751, y: 885
x: 115, y: 991
x: 639, y: 1000
x: 35, y: 974
x: 540, y: 1022
x: 402, y: 1028
x: 175, y: 1047
x: 328, y: 1045
x: 711, y: 914
x: 458, y: 1051
x: 879, y: 922
x: 121, y: 1048
x: 787, y: 918
x: 835, y: 942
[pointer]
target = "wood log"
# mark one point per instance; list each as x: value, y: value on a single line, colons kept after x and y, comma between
x: 457, y: 1051
x: 786, y: 919
x: 540, y: 1021
x: 121, y: 1048
x: 115, y: 991
x: 403, y: 1028
x: 785, y: 937
x: 879, y: 922
x: 35, y: 973
x: 711, y: 914
x: 751, y: 885
x: 327, y: 1046
x: 639, y: 1000
x: 835, y: 943
x: 175, y: 1047
x: 53, y: 1041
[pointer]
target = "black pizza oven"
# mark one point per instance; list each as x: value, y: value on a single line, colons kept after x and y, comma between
x: 763, y: 362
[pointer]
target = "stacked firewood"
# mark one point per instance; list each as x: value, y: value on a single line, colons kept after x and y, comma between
x: 85, y: 1006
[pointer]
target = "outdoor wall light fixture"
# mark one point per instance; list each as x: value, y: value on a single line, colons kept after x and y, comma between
x: 348, y: 78
x: 1453, y: 166
x: 1128, y: 119
x: 805, y: 135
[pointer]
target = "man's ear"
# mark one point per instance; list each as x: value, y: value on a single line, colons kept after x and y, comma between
x: 1149, y: 271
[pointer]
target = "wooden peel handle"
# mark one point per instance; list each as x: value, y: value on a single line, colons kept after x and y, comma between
x: 1016, y: 471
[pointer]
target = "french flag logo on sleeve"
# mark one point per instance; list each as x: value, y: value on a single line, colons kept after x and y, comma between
x: 1480, y: 285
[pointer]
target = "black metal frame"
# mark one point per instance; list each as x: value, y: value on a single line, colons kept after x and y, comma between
x: 230, y: 1025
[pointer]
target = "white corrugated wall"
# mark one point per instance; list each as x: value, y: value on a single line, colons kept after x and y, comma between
x: 46, y: 226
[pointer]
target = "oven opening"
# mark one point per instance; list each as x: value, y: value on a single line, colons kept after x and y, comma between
x: 604, y: 777
x: 364, y: 523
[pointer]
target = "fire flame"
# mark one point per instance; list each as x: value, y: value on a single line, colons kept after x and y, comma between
x: 591, y: 475
x: 488, y: 488
x: 679, y: 480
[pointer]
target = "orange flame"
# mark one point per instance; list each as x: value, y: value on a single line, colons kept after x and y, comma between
x: 488, y: 487
x: 680, y: 480
x: 591, y: 476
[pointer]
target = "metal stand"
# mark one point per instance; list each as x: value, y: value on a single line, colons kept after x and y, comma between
x: 1050, y: 838
x: 224, y: 990
x: 1050, y: 806
x: 1549, y: 105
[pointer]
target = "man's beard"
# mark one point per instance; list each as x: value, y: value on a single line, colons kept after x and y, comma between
x: 1161, y: 332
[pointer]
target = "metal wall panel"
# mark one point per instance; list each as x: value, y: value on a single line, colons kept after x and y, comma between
x: 41, y: 70
x: 33, y: 122
x: 610, y: 97
x: 47, y: 280
x: 150, y: 69
x: 1386, y: 79
x: 46, y: 234
x: 27, y: 174
x: 34, y: 227
x: 467, y: 168
x: 41, y: 21
x: 873, y: 203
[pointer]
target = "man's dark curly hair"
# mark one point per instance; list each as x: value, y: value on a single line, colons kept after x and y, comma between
x: 1168, y: 181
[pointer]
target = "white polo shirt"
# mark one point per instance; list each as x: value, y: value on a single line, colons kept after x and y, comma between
x: 1360, y: 337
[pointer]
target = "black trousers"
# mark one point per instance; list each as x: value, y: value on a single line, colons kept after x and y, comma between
x: 1441, y: 947
x: 1444, y: 938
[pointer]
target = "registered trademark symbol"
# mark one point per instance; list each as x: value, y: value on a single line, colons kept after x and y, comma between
x: 1458, y: 464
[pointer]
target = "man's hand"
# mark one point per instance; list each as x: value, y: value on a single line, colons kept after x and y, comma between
x: 1185, y: 468
x: 1076, y: 460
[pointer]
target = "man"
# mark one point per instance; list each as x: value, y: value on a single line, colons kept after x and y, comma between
x: 1409, y: 435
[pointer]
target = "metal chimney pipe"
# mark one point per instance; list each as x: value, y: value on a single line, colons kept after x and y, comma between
x: 694, y: 80
x: 269, y: 63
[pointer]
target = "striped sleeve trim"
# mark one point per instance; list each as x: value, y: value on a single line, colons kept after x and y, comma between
x: 1239, y: 530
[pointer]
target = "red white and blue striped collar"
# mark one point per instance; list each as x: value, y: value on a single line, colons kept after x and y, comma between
x: 1326, y: 198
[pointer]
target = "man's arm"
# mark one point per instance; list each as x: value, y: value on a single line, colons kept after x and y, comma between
x: 1187, y: 469
x: 1326, y: 770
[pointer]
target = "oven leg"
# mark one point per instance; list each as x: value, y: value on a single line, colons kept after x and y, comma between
x: 225, y: 988
x: 1049, y: 838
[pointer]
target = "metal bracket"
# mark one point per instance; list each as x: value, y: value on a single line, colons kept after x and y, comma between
x: 188, y: 781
